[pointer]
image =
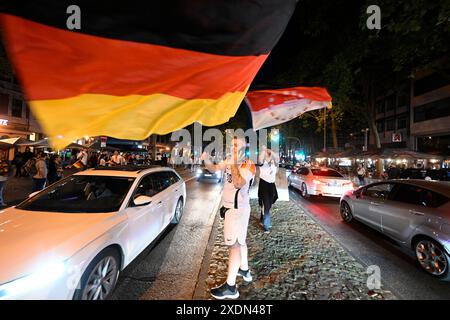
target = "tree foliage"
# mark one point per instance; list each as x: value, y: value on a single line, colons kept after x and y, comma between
x: 335, y: 49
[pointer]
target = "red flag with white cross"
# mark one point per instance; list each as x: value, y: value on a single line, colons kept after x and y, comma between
x: 273, y: 107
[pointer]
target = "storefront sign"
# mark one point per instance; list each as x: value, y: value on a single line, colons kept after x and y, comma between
x: 396, y: 137
x: 103, y: 142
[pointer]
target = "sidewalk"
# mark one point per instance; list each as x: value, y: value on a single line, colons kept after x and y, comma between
x: 297, y: 260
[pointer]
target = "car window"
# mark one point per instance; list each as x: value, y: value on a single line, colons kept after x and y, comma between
x: 379, y: 191
x: 303, y: 171
x: 326, y: 173
x: 174, y: 178
x: 146, y: 187
x: 81, y: 194
x: 152, y: 184
x: 418, y: 196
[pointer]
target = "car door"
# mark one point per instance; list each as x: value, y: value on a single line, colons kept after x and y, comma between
x: 369, y: 205
x: 300, y: 177
x: 164, y: 184
x: 406, y: 209
x: 145, y: 222
x: 172, y: 190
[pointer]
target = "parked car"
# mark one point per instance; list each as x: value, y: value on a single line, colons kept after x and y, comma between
x: 202, y: 173
x: 320, y: 182
x: 72, y: 239
x: 415, y: 213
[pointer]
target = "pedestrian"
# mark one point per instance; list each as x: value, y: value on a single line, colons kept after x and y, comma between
x: 52, y: 175
x: 102, y: 161
x: 236, y: 205
x: 55, y: 170
x: 4, y: 171
x: 27, y: 155
x: 393, y: 172
x: 18, y: 162
x: 92, y: 160
x: 116, y: 159
x: 40, y: 177
x: 361, y: 172
x: 267, y: 190
x: 82, y: 156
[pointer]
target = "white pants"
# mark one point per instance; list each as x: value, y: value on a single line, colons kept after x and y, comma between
x: 235, y: 226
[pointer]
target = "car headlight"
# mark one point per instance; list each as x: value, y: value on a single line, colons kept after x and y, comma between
x: 218, y: 173
x: 39, y: 278
x: 199, y: 171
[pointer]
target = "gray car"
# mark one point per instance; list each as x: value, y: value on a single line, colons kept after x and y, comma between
x: 415, y: 213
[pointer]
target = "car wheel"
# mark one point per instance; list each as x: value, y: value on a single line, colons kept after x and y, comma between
x: 100, y: 278
x: 346, y: 212
x: 304, y: 191
x: 433, y: 258
x: 178, y: 212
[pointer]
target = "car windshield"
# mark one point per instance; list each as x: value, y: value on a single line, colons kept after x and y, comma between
x: 81, y: 194
x: 326, y: 173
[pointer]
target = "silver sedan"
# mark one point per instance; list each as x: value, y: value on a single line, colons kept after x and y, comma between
x: 415, y: 213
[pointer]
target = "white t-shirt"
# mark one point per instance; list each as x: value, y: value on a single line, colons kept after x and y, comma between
x: 229, y: 190
x: 83, y: 156
x: 117, y: 160
x: 361, y: 171
x: 268, y: 172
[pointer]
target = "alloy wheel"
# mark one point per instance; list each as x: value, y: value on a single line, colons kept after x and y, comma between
x: 304, y: 191
x: 179, y: 210
x: 102, y: 280
x: 346, y: 212
x: 431, y: 257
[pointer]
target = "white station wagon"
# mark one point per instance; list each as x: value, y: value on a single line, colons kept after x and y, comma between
x: 71, y: 240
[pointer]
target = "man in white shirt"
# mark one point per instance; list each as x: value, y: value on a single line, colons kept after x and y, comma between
x: 267, y: 190
x: 116, y: 159
x: 83, y: 157
x: 236, y: 201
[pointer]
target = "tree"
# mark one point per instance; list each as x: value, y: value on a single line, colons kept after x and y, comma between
x: 354, y: 63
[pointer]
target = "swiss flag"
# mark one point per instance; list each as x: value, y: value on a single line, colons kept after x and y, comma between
x: 272, y: 107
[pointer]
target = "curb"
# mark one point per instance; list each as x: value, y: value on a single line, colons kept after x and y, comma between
x: 200, y: 287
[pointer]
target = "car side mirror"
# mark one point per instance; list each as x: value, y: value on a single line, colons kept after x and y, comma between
x: 33, y: 194
x: 142, y: 201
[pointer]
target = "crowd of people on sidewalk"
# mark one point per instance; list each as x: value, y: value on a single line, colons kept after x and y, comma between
x: 47, y: 168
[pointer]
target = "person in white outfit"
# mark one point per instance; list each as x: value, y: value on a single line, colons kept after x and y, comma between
x: 267, y: 190
x: 236, y: 204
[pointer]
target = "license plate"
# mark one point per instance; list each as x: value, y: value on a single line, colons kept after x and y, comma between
x: 208, y: 175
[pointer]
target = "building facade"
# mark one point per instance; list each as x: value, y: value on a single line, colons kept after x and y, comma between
x: 392, y: 115
x: 430, y: 112
x: 16, y: 119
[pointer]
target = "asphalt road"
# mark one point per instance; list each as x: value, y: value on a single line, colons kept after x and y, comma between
x: 169, y: 270
x: 399, y: 271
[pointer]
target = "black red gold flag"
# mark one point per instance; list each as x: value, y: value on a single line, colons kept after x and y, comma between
x: 135, y: 68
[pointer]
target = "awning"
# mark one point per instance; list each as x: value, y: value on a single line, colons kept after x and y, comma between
x: 14, y: 141
x: 45, y: 143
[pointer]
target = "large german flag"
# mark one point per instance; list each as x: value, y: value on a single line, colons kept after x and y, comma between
x: 138, y: 67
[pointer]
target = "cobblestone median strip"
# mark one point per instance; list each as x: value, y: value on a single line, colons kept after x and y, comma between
x: 297, y: 260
